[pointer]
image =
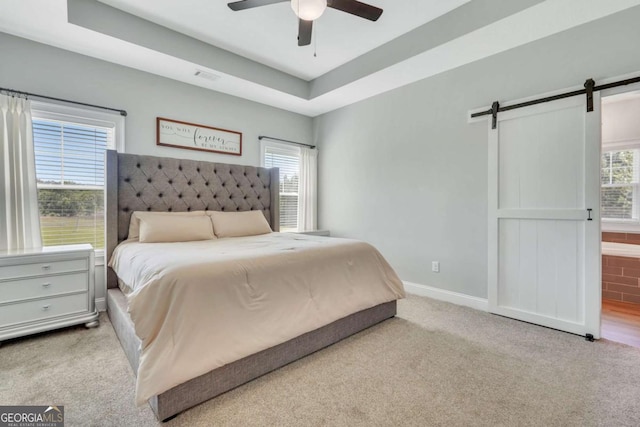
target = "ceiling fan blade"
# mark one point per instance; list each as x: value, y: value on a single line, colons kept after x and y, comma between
x: 248, y: 4
x: 357, y: 8
x: 304, y: 32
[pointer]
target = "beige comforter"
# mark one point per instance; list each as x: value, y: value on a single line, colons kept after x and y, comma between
x: 197, y: 306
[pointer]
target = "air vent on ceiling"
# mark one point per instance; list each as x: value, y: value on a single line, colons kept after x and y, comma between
x: 206, y: 75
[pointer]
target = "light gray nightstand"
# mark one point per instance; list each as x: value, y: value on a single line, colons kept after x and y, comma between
x: 316, y: 232
x: 46, y: 288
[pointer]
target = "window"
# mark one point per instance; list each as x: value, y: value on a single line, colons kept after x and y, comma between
x: 287, y: 159
x: 619, y: 177
x: 69, y: 147
x: 297, y: 183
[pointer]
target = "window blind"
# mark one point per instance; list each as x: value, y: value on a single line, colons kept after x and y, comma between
x: 70, y: 168
x: 288, y: 161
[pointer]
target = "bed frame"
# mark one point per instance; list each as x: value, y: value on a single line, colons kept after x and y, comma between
x: 147, y: 183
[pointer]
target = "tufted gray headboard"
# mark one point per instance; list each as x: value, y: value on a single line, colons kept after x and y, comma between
x: 160, y: 184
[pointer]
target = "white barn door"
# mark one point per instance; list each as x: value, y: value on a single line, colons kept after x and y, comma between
x: 544, y: 253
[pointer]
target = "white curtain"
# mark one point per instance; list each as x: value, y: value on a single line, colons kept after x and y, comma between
x: 19, y: 218
x: 308, y: 189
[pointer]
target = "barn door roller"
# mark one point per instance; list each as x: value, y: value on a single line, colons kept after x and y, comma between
x: 588, y: 87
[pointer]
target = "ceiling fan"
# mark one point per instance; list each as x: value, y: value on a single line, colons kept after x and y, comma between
x: 308, y: 10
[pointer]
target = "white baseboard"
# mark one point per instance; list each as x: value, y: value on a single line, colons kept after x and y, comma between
x: 448, y: 296
x: 101, y: 304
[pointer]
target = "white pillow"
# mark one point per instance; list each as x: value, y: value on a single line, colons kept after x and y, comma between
x: 238, y: 224
x: 134, y: 222
x: 156, y: 229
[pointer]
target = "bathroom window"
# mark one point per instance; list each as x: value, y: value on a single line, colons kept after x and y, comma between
x: 619, y: 178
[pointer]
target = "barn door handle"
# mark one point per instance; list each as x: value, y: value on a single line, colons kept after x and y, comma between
x: 589, y: 213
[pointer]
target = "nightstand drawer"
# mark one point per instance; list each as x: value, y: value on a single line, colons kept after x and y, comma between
x: 43, y: 286
x: 42, y: 268
x: 30, y: 311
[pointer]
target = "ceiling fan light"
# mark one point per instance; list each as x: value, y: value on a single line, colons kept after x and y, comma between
x: 308, y: 10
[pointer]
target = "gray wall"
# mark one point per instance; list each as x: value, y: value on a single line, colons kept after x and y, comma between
x: 406, y: 172
x: 38, y: 68
x: 621, y: 120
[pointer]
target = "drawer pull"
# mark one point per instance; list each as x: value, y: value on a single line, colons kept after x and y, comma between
x: 46, y: 285
x: 46, y: 267
x: 45, y: 307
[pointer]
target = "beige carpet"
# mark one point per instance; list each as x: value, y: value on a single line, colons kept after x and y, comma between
x: 435, y: 364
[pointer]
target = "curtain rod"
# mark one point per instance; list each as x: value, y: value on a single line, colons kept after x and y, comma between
x: 261, y: 137
x: 19, y: 92
x: 589, y: 88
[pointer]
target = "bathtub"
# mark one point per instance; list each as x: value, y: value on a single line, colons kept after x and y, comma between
x: 620, y: 249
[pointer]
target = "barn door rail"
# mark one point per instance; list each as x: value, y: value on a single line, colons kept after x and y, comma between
x: 589, y: 88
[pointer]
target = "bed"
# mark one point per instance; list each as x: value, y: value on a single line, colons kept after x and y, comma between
x: 146, y: 183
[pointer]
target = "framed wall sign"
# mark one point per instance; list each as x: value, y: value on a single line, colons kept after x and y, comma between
x: 173, y: 133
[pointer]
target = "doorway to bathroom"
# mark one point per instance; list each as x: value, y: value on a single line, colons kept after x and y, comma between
x: 620, y: 214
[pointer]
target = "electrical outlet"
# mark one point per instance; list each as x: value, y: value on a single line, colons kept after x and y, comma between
x: 435, y: 266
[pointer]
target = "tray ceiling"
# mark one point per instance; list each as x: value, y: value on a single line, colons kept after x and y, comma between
x: 254, y: 54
